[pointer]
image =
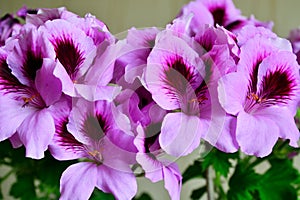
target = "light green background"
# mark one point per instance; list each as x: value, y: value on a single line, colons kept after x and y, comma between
x: 120, y: 15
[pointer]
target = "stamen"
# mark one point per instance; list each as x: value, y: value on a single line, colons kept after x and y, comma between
x: 28, y: 100
x: 199, y: 100
x: 96, y: 155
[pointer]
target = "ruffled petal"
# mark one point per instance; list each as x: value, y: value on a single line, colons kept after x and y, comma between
x: 36, y: 132
x: 12, y: 114
x: 285, y: 121
x: 173, y: 180
x: 180, y: 134
x: 78, y: 181
x: 232, y: 90
x: 121, y: 184
x: 256, y: 134
x: 47, y: 84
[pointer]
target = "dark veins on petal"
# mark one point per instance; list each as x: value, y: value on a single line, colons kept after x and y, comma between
x: 65, y: 138
x: 178, y: 77
x: 277, y: 87
x: 33, y: 62
x: 252, y: 88
x: 10, y: 84
x: 8, y: 81
x: 69, y: 55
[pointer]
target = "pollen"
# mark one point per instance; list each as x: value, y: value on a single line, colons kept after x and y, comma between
x: 256, y: 98
x: 198, y: 100
x: 28, y: 100
x: 96, y: 155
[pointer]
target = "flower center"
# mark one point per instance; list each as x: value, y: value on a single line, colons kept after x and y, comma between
x: 276, y: 88
x: 96, y: 155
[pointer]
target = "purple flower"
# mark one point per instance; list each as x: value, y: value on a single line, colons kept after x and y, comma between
x: 185, y: 84
x: 217, y: 13
x: 133, y: 59
x: 48, y: 14
x: 9, y: 26
x: 28, y: 89
x: 100, y: 135
x: 213, y: 12
x: 74, y: 52
x: 263, y: 95
x: 22, y: 12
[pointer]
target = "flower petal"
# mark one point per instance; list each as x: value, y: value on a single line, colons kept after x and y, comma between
x: 67, y: 84
x: 97, y: 92
x: 121, y: 184
x: 180, y: 134
x: 172, y: 178
x: 12, y: 114
x: 78, y: 181
x: 232, y: 90
x: 36, y: 132
x: 256, y: 134
x: 284, y: 119
x: 47, y: 84
x: 64, y: 146
x: 173, y: 71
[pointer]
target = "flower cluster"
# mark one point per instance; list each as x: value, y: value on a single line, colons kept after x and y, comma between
x: 69, y: 86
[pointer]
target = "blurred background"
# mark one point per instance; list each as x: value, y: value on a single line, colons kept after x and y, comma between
x: 120, y: 15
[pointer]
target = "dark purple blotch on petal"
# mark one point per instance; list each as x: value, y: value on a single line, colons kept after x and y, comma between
x: 178, y: 77
x: 65, y: 139
x: 253, y: 77
x: 69, y: 55
x: 277, y: 87
x: 33, y: 62
x: 10, y: 84
x: 8, y: 81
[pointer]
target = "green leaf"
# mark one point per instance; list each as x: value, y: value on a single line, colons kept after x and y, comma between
x: 198, y: 193
x: 193, y: 171
x: 23, y: 188
x: 243, y: 184
x: 144, y: 196
x: 98, y: 194
x: 219, y: 160
x: 48, y: 171
x: 276, y: 183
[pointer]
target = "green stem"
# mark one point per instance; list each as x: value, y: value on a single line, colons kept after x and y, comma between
x: 219, y: 187
x: 210, y: 183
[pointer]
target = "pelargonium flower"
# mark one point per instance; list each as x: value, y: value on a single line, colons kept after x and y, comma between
x: 263, y: 94
x: 48, y: 14
x: 74, y: 52
x: 182, y: 82
x: 100, y: 135
x: 218, y: 13
x: 81, y: 45
x: 9, y: 25
x: 133, y: 59
x: 28, y: 89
